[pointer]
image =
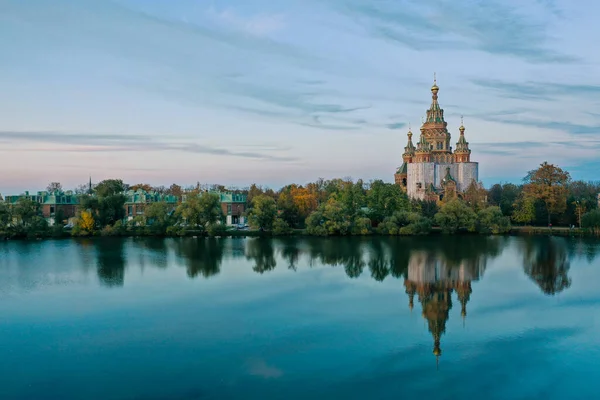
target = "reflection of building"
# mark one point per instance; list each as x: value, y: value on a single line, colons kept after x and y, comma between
x: 433, y: 279
x: 431, y: 169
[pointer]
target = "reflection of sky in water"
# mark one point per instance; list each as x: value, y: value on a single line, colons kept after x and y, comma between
x: 230, y: 318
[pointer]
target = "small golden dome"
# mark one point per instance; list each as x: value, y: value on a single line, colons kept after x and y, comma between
x: 437, y: 351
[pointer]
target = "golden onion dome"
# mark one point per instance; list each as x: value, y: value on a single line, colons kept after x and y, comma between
x: 435, y: 87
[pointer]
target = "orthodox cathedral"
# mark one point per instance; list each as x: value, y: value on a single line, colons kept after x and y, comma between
x: 432, y: 170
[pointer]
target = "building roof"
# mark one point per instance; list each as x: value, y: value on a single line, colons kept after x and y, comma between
x: 403, y: 169
x: 227, y: 197
x: 142, y: 197
x: 56, y: 197
x: 233, y: 197
x: 448, y: 177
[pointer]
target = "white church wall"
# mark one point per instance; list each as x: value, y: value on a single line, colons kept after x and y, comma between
x: 467, y: 172
x: 434, y: 173
x: 423, y: 173
x: 440, y: 172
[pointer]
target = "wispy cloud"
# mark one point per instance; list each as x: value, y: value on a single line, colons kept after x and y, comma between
x: 492, y: 26
x: 396, y: 125
x: 567, y: 127
x: 537, y: 90
x: 95, y: 143
x: 259, y: 24
x: 584, y: 148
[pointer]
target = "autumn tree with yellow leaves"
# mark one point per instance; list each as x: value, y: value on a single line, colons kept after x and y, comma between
x: 549, y: 185
x: 86, y: 221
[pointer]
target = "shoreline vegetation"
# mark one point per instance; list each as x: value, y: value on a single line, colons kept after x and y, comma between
x: 233, y: 233
x: 547, y: 203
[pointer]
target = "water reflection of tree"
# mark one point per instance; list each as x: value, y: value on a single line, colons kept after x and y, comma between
x: 110, y: 261
x: 261, y: 251
x: 387, y: 256
x: 334, y: 251
x: 546, y: 262
x: 585, y: 247
x: 290, y: 252
x: 379, y: 263
x: 157, y: 251
x: 202, y: 256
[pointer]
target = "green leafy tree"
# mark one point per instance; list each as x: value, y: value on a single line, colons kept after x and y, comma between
x: 524, y: 210
x: 59, y: 222
x: 491, y: 220
x: 202, y: 211
x: 495, y: 195
x: 384, y: 199
x: 109, y: 187
x: 288, y: 210
x: 405, y: 223
x: 330, y: 218
x: 107, y: 206
x: 510, y: 194
x: 111, y: 209
x: 455, y: 215
x: 253, y: 192
x: 160, y: 217
x: 591, y: 221
x: 210, y: 209
x: 37, y: 227
x: 352, y: 197
x: 24, y: 212
x: 360, y: 226
x: 5, y: 217
x: 263, y: 213
x: 426, y: 208
x: 281, y: 227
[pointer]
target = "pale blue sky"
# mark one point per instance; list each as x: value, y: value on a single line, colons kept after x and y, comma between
x: 275, y: 92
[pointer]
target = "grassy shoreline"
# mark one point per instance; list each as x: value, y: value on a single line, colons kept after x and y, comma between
x: 515, y: 231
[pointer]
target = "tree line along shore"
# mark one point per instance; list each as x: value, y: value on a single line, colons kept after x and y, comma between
x: 547, y: 201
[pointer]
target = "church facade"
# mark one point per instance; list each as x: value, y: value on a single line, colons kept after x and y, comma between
x: 432, y: 170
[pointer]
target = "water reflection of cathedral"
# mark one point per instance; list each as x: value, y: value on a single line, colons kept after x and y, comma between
x: 433, y: 278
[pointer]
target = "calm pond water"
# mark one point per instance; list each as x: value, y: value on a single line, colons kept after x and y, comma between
x: 436, y: 317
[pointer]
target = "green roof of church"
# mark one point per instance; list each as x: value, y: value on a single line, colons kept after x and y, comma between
x: 448, y: 177
x: 403, y: 169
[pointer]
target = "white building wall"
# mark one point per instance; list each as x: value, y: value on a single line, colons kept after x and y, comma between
x: 428, y: 173
x: 440, y: 172
x: 423, y: 173
x: 467, y: 173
